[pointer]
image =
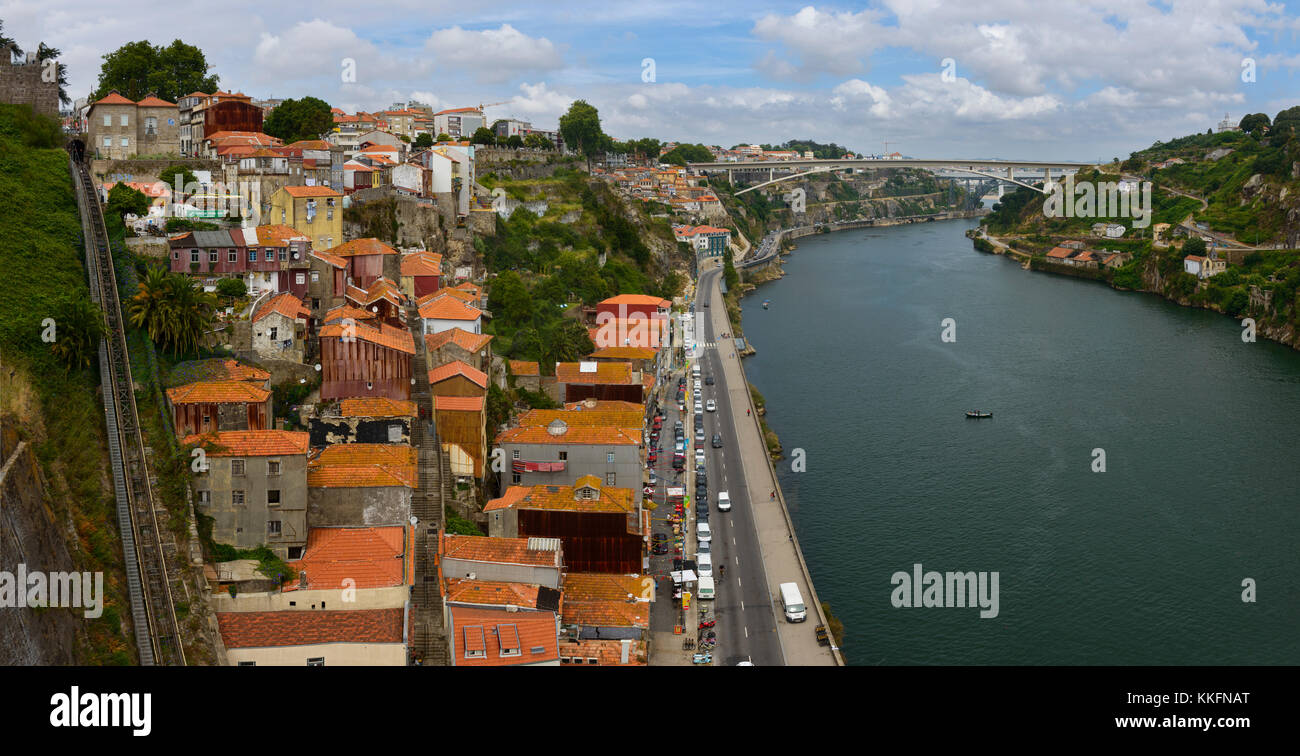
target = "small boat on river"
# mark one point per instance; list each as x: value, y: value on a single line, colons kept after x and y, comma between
x: 977, y: 413
x: 765, y: 303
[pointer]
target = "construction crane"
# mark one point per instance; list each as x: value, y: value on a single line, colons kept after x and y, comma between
x: 481, y: 106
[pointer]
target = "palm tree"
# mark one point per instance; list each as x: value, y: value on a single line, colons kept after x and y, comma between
x: 172, y: 310
x: 79, y: 331
x: 7, y: 41
x: 145, y: 309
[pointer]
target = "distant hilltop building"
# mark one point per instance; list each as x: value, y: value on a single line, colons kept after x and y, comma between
x: 1227, y: 124
x: 21, y: 83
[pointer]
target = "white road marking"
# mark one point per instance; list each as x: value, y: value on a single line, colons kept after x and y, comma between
x: 742, y: 606
x: 746, y: 631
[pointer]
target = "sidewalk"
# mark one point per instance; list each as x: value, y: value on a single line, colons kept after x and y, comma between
x: 781, y: 554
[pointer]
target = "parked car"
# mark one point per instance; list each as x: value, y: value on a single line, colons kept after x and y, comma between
x: 702, y: 533
x: 699, y: 407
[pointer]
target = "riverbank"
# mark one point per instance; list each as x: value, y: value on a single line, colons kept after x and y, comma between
x: 1151, y: 279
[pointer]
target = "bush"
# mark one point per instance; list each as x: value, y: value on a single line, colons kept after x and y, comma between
x: 233, y: 288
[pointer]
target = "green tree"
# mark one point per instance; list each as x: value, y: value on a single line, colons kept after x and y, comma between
x: 8, y: 40
x: 510, y: 301
x: 483, y: 135
x: 172, y: 310
x: 580, y: 128
x: 1254, y: 124
x: 122, y: 200
x: 137, y: 69
x: 1194, y: 246
x: 538, y: 142
x: 169, y: 176
x: 687, y: 153
x: 423, y: 142
x: 515, y: 141
x: 296, y: 120
x: 232, y: 288
x: 44, y: 53
x: 80, y: 327
x: 442, y: 137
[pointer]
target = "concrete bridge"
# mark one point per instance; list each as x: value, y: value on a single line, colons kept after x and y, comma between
x: 1000, y: 170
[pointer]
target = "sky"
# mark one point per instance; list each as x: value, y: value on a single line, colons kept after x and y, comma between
x: 1019, y: 79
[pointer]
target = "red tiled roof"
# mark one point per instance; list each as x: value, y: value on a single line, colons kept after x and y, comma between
x: 217, y: 392
x: 310, y: 191
x: 492, y: 631
x: 603, y: 436
x: 363, y: 466
x: 605, y: 372
x: 1060, y: 253
x: 376, y: 406
x: 498, y: 550
x: 277, y: 235
x: 523, y: 367
x: 371, y: 557
x: 563, y: 498
x: 456, y: 367
x: 155, y: 102
x: 385, y: 335
x: 422, y: 264
x: 285, y: 304
x: 113, y: 98
x: 459, y: 403
x: 251, y: 443
x: 368, y: 246
x: 638, y: 299
x: 334, y: 260
x: 470, y: 342
x: 448, y: 307
x: 302, y: 628
x: 491, y: 592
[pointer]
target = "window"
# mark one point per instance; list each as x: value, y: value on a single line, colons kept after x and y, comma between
x: 282, y: 216
x: 121, y: 120
x: 593, y: 660
x: 233, y: 257
x: 272, y: 467
x: 126, y: 142
x: 300, y: 278
x: 284, y: 255
x: 515, y: 454
x: 515, y: 478
x: 564, y: 455
x: 564, y: 660
x: 108, y: 120
x: 205, y: 498
x: 237, y: 498
x: 194, y: 255
x: 609, y: 479
x: 609, y: 457
x: 315, y: 276
x: 273, y: 497
x: 316, y: 661
x: 248, y: 664
x: 274, y: 333
x: 236, y: 467
x: 315, y: 303
x: 108, y: 141
x: 151, y: 126
x: 212, y: 256
x: 295, y: 552
x: 252, y: 255
x: 273, y: 527
x: 270, y: 255
x: 395, y: 433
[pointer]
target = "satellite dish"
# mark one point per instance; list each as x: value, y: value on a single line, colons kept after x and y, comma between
x: 318, y: 367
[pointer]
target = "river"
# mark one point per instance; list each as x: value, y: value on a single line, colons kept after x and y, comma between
x: 1143, y: 563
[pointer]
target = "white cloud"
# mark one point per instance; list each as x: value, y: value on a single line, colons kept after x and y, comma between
x: 823, y: 41
x: 494, y: 55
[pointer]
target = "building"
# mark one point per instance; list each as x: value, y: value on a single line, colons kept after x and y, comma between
x: 561, y: 454
x: 359, y: 359
x: 458, y: 122
x: 365, y: 260
x: 457, y: 345
x: 119, y: 128
x: 1204, y: 267
x: 576, y: 381
x: 280, y: 328
x: 535, y: 561
x: 361, y: 485
x: 604, y: 602
x: 707, y: 241
x: 502, y: 638
x: 362, y: 637
x: 601, y: 526
x: 202, y: 114
x: 223, y: 405
x: 23, y: 83
x: 528, y: 374
x: 462, y: 430
x: 421, y: 273
x: 442, y: 311
x: 254, y: 488
x: 315, y: 211
x: 374, y: 420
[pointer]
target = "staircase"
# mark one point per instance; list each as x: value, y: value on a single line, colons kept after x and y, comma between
x: 429, y: 641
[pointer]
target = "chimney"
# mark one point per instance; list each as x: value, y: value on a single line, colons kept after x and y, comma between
x: 626, y: 644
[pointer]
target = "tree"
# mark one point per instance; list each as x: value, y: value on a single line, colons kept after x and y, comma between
x: 1254, y: 124
x: 123, y: 200
x: 296, y: 120
x: 423, y: 142
x: 538, y: 142
x: 233, y: 288
x: 580, y: 128
x: 172, y: 310
x: 137, y: 69
x: 687, y: 153
x: 443, y: 137
x: 514, y: 140
x: 44, y: 53
x: 170, y: 174
x: 1194, y: 246
x: 483, y: 135
x: 510, y: 300
x: 80, y: 327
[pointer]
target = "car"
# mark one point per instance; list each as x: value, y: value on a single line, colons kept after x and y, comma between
x: 699, y: 421
x: 704, y: 548
x: 708, y: 380
x: 702, y: 533
x: 706, y: 304
x: 697, y: 386
x: 678, y: 425
x: 724, y: 501
x: 660, y: 548
x: 699, y: 456
x: 704, y: 564
x: 699, y: 434
x: 681, y: 405
x: 710, y: 406
x: 717, y: 440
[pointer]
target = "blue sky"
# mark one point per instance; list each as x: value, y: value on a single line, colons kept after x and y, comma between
x: 1026, y: 78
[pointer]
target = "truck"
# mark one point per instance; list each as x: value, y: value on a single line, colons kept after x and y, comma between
x: 792, y: 603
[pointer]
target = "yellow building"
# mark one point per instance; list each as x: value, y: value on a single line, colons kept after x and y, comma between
x: 316, y: 211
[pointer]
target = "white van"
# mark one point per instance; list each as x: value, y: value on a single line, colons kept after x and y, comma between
x: 704, y: 589
x: 704, y: 535
x: 724, y: 501
x: 792, y: 602
x: 704, y: 564
x: 695, y: 371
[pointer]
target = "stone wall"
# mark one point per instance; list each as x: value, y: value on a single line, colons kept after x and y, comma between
x: 22, y: 84
x: 129, y: 169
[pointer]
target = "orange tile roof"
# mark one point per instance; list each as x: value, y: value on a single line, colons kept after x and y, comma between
x: 459, y: 403
x: 310, y: 144
x: 607, y: 651
x: 456, y: 367
x: 448, y: 308
x: 470, y: 287
x: 113, y: 98
x: 367, y: 246
x: 363, y: 466
x: 492, y: 631
x: 385, y: 335
x: 497, y: 550
x: 603, y: 436
x: 460, y: 294
x: 563, y: 498
x: 523, y: 367
x: 600, y: 586
x: 310, y: 191
x: 470, y: 342
x: 285, y: 304
x: 630, y: 419
x: 334, y: 260
x: 491, y: 592
x: 626, y: 353
x: 376, y: 406
x: 380, y: 288
x: 605, y: 405
x: 637, y: 299
x: 303, y: 628
x: 371, y: 557
x: 422, y: 264
x: 1060, y: 252
x: 277, y: 235
x: 217, y: 392
x: 348, y: 311
x: 251, y: 443
x: 606, y: 372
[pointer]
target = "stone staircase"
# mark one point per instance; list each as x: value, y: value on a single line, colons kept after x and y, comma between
x: 429, y: 641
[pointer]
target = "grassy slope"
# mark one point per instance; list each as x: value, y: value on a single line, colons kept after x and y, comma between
x: 60, y: 413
